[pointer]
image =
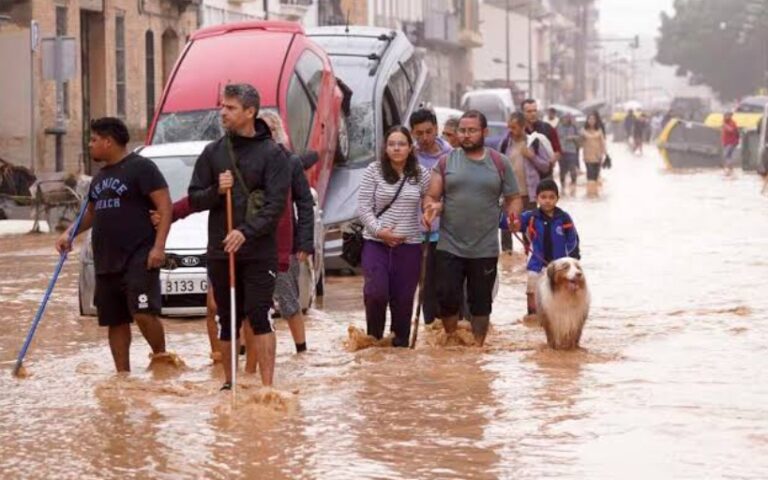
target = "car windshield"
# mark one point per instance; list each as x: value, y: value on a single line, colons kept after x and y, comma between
x: 750, y: 108
x: 189, y: 126
x: 351, y: 63
x: 177, y: 172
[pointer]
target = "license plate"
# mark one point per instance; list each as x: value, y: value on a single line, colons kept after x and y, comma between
x: 185, y: 286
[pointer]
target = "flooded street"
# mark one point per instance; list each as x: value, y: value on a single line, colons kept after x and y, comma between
x: 672, y: 383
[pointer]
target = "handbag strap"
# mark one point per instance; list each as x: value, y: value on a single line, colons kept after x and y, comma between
x: 233, y: 159
x: 383, y: 210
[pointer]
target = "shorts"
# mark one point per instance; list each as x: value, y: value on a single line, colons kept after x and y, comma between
x: 135, y: 290
x: 254, y: 287
x: 287, y: 290
x: 451, y: 273
x: 568, y: 162
x: 728, y: 155
x: 593, y: 171
x: 533, y: 282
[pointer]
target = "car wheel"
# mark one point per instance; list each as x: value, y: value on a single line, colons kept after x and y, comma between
x: 342, y: 142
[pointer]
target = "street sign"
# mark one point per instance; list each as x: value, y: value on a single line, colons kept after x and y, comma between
x: 59, y: 58
x: 34, y: 35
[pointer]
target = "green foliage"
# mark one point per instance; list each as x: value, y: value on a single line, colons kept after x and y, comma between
x: 720, y: 43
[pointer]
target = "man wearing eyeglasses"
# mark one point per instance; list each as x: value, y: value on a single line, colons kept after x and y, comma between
x: 464, y: 191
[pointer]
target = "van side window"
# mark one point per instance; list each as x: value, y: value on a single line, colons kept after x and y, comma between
x: 400, y: 90
x: 310, y: 69
x: 301, y: 113
x: 390, y: 115
x: 412, y: 68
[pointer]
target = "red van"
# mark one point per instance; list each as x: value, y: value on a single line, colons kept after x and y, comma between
x: 292, y: 74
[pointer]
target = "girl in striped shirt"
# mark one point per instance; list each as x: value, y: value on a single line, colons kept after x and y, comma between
x: 389, y: 206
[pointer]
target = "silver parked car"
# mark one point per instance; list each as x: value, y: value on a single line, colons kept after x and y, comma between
x: 387, y: 79
x: 184, y: 288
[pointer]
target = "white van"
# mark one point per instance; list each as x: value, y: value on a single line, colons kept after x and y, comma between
x: 496, y: 104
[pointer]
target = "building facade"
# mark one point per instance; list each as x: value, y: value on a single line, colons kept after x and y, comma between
x: 124, y: 51
x: 446, y: 32
x: 540, y: 48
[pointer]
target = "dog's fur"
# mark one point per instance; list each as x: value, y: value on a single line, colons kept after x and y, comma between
x: 562, y: 300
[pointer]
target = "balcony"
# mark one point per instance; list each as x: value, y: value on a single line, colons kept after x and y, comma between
x: 469, y: 33
x: 294, y: 9
x: 183, y: 5
x: 441, y: 29
x: 387, y: 21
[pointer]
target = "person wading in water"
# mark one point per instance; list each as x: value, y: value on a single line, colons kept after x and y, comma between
x: 264, y: 175
x: 127, y: 250
x: 464, y: 191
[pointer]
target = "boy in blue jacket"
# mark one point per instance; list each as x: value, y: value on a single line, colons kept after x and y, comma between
x: 551, y: 235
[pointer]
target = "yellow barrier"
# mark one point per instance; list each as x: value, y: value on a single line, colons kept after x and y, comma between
x: 745, y: 121
x: 662, y: 140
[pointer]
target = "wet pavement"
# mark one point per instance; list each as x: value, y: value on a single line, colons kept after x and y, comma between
x: 672, y: 383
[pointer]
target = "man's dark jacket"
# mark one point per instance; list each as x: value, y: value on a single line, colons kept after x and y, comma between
x: 264, y: 166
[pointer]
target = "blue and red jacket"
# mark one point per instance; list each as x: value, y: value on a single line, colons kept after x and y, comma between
x: 551, y: 237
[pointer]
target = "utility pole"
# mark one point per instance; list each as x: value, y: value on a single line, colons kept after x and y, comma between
x: 530, y: 50
x: 506, y: 29
x: 266, y: 9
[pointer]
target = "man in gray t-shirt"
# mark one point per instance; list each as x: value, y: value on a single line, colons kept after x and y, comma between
x: 464, y: 190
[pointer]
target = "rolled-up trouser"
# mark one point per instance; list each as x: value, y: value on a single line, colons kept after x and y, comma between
x: 287, y: 290
x: 254, y: 287
x: 391, y: 278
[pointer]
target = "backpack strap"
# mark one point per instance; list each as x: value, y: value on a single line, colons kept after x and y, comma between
x: 496, y: 158
x: 441, y: 165
x: 505, y: 144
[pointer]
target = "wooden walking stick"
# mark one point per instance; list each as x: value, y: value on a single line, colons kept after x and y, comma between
x: 422, y: 276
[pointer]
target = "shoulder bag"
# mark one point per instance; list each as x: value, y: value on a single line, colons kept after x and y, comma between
x: 255, y: 197
x: 352, y: 237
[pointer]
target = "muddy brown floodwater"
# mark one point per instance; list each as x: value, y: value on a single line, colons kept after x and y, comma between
x: 672, y: 384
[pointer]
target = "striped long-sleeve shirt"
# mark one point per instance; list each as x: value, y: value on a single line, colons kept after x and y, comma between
x: 404, y: 216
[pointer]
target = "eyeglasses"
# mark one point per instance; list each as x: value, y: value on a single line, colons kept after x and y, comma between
x: 468, y: 131
x: 397, y: 145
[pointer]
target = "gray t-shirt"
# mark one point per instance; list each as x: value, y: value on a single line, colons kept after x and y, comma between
x: 471, y: 190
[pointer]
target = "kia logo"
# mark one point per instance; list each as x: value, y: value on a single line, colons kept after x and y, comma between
x: 190, y: 261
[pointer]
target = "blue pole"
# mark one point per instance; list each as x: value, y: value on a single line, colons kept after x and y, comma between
x: 49, y: 290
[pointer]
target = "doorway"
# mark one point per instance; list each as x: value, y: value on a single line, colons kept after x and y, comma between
x: 93, y: 76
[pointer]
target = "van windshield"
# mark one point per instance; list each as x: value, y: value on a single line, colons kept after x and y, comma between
x: 355, y: 62
x: 189, y: 126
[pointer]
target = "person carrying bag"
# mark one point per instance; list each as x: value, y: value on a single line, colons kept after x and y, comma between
x: 392, y: 236
x: 352, y: 239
